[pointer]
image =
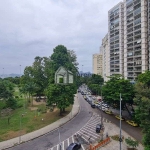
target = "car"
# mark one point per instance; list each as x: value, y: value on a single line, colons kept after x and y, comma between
x: 98, y: 128
x: 74, y: 146
x: 93, y: 105
x: 118, y: 117
x: 132, y: 123
x: 108, y: 112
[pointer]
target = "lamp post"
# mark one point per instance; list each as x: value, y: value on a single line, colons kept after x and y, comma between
x: 120, y: 139
x: 59, y: 138
x: 3, y: 72
x: 82, y: 68
x: 101, y: 106
x: 20, y: 127
x: 20, y: 70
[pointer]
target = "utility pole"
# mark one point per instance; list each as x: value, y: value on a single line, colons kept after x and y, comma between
x: 59, y: 138
x: 120, y: 139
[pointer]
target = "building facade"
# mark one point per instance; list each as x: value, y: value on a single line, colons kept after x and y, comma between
x: 135, y: 38
x: 116, y: 39
x: 98, y: 64
x: 128, y: 36
x: 105, y: 54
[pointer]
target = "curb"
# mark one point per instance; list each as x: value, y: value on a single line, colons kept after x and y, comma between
x: 42, y: 134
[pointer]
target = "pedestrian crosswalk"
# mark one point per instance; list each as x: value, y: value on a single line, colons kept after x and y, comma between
x: 86, y: 135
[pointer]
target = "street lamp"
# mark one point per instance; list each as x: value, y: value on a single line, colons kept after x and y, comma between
x: 20, y: 127
x: 59, y: 137
x: 101, y: 107
x: 3, y: 72
x: 20, y: 70
x: 120, y: 139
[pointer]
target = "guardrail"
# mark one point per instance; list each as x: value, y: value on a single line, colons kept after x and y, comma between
x: 102, y: 143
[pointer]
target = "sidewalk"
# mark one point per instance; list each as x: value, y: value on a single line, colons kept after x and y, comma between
x: 112, y: 129
x: 42, y: 131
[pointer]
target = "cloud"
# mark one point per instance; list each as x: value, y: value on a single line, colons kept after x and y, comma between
x: 31, y: 28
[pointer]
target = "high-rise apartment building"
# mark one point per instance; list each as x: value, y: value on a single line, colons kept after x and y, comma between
x: 149, y: 30
x: 135, y: 38
x: 98, y: 64
x: 105, y: 54
x: 116, y: 39
x: 129, y: 38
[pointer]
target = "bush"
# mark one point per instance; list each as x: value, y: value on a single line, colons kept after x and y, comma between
x: 116, y: 137
x: 11, y: 103
x: 131, y: 142
x: 16, y: 97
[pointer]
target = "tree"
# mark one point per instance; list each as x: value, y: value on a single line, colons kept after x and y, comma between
x: 116, y: 85
x: 61, y: 95
x: 142, y: 99
x: 6, y: 89
x: 131, y: 142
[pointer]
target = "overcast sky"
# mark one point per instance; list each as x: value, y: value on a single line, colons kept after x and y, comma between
x: 30, y: 28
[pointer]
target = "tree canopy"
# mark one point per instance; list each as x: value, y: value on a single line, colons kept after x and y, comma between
x: 142, y: 99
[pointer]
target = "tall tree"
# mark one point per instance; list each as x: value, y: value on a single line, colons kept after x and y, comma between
x: 142, y: 99
x: 116, y: 85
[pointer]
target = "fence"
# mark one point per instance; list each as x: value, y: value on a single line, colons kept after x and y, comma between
x: 102, y: 143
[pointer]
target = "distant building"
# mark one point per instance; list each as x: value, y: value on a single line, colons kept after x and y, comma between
x: 97, y: 64
x: 106, y: 62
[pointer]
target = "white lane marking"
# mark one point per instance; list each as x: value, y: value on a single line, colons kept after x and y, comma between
x: 63, y: 145
x: 86, y: 136
x: 57, y: 147
x: 82, y: 147
x: 83, y: 137
x: 72, y: 139
x: 91, y: 134
x: 52, y: 148
x: 68, y: 141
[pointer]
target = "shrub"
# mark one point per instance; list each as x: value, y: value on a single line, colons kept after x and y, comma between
x: 131, y: 142
x: 116, y: 137
x: 11, y: 103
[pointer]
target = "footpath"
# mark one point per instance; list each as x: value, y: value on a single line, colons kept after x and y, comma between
x: 113, y: 130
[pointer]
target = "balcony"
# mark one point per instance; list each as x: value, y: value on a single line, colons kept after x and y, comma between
x: 130, y: 59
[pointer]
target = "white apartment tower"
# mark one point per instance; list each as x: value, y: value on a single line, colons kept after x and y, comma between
x: 135, y: 38
x: 105, y: 54
x: 116, y: 39
x: 98, y: 64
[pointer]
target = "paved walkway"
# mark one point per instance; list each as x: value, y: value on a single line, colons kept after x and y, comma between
x: 109, y: 127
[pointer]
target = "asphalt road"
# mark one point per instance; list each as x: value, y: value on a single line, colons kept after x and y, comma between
x: 135, y: 132
x: 51, y: 139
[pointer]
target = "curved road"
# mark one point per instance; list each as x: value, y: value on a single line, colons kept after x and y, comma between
x: 51, y: 139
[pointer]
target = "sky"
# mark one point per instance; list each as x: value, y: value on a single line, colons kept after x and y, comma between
x: 30, y: 28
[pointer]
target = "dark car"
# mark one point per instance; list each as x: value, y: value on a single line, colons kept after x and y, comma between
x: 74, y: 146
x: 98, y: 128
x: 93, y: 105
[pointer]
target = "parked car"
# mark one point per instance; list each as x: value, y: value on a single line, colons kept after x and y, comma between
x: 118, y: 117
x: 74, y: 146
x: 98, y: 128
x: 93, y: 105
x: 108, y: 112
x: 132, y: 123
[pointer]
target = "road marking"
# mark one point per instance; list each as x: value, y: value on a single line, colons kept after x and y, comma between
x: 57, y: 147
x: 63, y: 145
x: 83, y: 137
x: 82, y: 147
x: 72, y: 139
x: 92, y: 133
x: 86, y: 136
x: 68, y: 141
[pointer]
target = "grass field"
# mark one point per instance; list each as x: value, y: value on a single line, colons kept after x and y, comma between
x: 30, y: 121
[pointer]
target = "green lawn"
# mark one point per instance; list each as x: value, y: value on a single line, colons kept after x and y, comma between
x: 31, y: 120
